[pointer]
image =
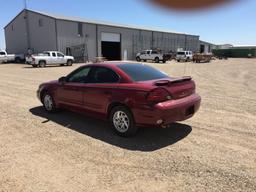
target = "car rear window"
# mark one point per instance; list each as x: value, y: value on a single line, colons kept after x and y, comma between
x: 181, y: 53
x: 141, y: 72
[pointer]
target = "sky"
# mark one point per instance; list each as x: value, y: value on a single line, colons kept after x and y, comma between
x: 233, y: 23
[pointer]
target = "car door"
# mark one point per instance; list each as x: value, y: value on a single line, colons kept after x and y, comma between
x: 143, y: 55
x: 153, y: 55
x: 3, y: 57
x: 53, y: 58
x: 99, y: 91
x: 60, y: 58
x: 71, y: 92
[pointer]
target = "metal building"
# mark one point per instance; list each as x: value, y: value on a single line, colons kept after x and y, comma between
x: 82, y: 38
x: 206, y: 47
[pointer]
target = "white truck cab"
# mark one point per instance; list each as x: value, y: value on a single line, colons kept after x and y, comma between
x: 49, y: 58
x: 184, y: 56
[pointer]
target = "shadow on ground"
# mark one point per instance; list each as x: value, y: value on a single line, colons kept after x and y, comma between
x: 147, y: 139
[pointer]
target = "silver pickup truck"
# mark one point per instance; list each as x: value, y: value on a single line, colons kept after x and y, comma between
x: 49, y: 58
x: 5, y: 57
x: 151, y: 55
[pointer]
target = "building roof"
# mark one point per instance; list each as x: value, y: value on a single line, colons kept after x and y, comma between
x: 244, y: 46
x: 77, y: 19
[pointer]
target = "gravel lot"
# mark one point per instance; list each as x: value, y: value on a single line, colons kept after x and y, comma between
x: 213, y: 151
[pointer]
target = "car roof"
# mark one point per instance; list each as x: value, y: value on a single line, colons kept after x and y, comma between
x: 112, y: 63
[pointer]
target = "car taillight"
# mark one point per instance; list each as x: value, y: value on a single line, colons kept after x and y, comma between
x: 158, y: 95
x: 33, y: 59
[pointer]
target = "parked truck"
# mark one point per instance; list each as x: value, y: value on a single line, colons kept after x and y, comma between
x: 184, y: 56
x: 152, y: 55
x: 5, y: 57
x: 49, y: 58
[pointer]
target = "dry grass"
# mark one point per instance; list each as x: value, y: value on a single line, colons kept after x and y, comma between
x: 213, y: 151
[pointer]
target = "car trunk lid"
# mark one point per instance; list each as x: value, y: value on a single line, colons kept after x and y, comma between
x: 177, y: 87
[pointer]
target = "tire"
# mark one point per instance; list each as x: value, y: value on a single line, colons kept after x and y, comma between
x: 42, y: 64
x: 48, y: 103
x: 122, y: 121
x: 157, y: 59
x: 69, y: 63
x: 178, y: 60
x: 145, y: 60
x: 164, y: 61
x: 34, y: 66
x: 138, y: 59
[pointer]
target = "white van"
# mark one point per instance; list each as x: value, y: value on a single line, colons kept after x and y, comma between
x: 184, y: 56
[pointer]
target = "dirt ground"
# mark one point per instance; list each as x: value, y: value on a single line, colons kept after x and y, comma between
x: 213, y: 151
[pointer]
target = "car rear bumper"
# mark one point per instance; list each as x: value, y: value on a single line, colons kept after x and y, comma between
x: 30, y: 62
x: 168, y: 112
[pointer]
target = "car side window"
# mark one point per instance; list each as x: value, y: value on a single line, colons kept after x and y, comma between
x: 80, y: 76
x: 104, y: 75
x: 60, y: 55
x: 54, y: 54
x: 2, y: 53
x: 148, y: 52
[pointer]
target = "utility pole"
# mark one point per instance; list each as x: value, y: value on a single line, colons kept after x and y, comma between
x: 27, y: 24
x: 25, y: 4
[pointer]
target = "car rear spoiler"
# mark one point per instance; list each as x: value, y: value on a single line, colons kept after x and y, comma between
x: 172, y: 81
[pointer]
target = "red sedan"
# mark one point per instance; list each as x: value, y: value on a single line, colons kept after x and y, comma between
x: 129, y: 95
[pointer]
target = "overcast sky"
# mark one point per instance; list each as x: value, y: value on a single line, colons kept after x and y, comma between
x: 235, y: 23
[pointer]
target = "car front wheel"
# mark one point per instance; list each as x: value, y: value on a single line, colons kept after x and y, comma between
x: 48, y: 103
x: 122, y: 121
x: 138, y: 59
x: 69, y: 63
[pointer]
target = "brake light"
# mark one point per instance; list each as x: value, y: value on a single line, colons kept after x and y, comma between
x: 33, y: 59
x: 158, y: 95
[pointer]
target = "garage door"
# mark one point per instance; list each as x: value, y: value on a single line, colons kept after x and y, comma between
x: 111, y: 46
x: 110, y: 37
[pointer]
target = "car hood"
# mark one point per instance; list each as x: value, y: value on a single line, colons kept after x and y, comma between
x: 69, y: 57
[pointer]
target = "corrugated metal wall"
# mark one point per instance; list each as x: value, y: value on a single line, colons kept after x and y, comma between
x: 62, y: 34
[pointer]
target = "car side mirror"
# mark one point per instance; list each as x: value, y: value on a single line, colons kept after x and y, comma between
x: 62, y: 80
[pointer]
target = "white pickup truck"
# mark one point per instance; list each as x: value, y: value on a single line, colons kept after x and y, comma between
x: 4, y: 57
x: 151, y: 55
x: 49, y: 58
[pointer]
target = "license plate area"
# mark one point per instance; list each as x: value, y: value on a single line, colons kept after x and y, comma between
x: 190, y: 111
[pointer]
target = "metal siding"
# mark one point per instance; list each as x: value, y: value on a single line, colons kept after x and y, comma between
x: 42, y: 38
x: 16, y: 40
x: 68, y: 36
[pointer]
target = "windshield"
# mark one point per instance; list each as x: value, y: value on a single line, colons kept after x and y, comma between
x: 141, y: 72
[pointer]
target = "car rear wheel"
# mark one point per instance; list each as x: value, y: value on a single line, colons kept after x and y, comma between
x: 122, y: 121
x: 42, y: 64
x: 48, y: 103
x: 157, y: 60
x: 138, y: 59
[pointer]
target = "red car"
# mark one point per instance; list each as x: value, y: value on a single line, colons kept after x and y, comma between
x: 129, y: 95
